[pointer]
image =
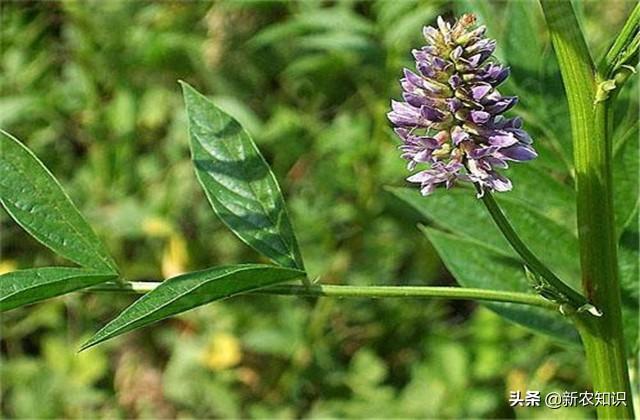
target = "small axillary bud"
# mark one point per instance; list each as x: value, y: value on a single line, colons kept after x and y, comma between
x: 603, y: 90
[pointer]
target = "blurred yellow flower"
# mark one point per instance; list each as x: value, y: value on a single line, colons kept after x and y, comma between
x: 157, y: 226
x: 222, y: 352
x: 7, y: 266
x: 175, y: 257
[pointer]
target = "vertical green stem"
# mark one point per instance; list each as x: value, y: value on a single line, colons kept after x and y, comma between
x: 602, y: 337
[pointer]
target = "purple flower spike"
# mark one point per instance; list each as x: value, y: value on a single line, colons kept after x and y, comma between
x: 451, y: 118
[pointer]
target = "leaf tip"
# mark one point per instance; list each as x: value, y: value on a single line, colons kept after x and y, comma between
x: 86, y: 346
x: 97, y: 338
x: 186, y: 87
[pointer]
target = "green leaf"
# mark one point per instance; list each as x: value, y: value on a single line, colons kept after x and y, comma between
x: 630, y: 286
x: 488, y: 14
x: 479, y: 256
x: 475, y: 264
x: 624, y: 48
x: 459, y: 211
x: 401, y: 21
x: 336, y: 41
x: 523, y: 45
x: 556, y: 245
x: 335, y: 18
x: 238, y: 181
x: 23, y: 287
x: 625, y: 182
x: 35, y: 199
x: 536, y: 189
x: 187, y: 291
x: 318, y: 21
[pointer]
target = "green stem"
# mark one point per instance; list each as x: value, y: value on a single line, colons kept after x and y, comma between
x: 624, y: 47
x: 532, y: 262
x: 602, y: 337
x: 319, y: 290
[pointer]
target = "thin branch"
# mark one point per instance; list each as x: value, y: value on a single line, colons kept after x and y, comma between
x: 624, y: 47
x: 338, y: 291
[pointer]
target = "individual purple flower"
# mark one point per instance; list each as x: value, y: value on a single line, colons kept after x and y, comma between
x: 451, y: 115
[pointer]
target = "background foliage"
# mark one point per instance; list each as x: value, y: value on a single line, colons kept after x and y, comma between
x: 91, y: 87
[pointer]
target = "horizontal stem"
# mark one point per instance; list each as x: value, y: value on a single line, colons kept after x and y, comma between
x: 365, y: 292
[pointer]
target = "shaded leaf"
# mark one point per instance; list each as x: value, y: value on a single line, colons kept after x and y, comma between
x: 35, y: 199
x: 459, y: 211
x: 319, y: 21
x: 336, y: 41
x: 402, y: 21
x: 488, y: 15
x: 474, y: 264
x: 625, y: 181
x: 335, y: 18
x: 187, y: 291
x: 478, y: 255
x: 628, y: 253
x: 556, y: 245
x: 538, y: 190
x: 276, y: 33
x: 313, y: 63
x: 23, y: 287
x: 240, y: 111
x: 523, y: 43
x: 238, y: 181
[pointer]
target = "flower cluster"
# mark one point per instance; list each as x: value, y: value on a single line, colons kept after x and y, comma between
x: 451, y: 118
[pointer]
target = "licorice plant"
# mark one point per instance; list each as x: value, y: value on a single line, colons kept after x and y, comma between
x: 456, y: 130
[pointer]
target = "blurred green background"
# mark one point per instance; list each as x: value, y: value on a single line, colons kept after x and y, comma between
x: 91, y: 87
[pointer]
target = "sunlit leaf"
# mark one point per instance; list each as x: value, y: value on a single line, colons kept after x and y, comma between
x: 23, y: 287
x: 187, y: 291
x: 35, y: 199
x: 238, y: 181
